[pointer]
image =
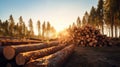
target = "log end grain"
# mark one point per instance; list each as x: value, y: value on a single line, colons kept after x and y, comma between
x: 8, y: 65
x: 9, y: 52
x: 20, y: 60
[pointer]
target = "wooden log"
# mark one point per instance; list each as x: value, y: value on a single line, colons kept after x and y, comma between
x: 12, y: 64
x: 1, y: 51
x: 10, y: 52
x: 53, y: 60
x: 24, y: 57
x: 8, y: 43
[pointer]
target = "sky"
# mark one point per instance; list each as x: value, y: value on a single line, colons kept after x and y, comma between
x: 60, y: 13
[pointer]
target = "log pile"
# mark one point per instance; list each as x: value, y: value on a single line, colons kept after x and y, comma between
x: 24, y: 57
x: 53, y: 60
x: 10, y: 52
x: 89, y: 36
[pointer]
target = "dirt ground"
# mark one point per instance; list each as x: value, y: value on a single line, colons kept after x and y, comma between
x: 94, y: 57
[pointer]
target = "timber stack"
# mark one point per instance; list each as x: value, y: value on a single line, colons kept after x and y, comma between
x: 89, y: 36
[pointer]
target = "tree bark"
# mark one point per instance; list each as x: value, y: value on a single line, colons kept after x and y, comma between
x: 112, y: 24
x: 24, y: 57
x: 53, y: 60
x: 116, y: 30
x: 102, y: 28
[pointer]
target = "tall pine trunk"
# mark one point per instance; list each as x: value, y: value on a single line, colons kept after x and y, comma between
x: 119, y: 31
x: 115, y: 30
x: 102, y: 28
x: 112, y: 24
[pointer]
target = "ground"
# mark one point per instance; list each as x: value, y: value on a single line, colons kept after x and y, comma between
x: 94, y: 57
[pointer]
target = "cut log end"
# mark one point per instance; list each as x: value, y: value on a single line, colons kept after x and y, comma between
x: 9, y: 52
x: 8, y: 65
x: 20, y: 60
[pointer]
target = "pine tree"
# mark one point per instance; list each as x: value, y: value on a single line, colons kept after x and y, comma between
x: 78, y: 22
x: 31, y: 28
x: 111, y: 7
x: 92, y: 16
x: 21, y: 32
x: 100, y: 15
x: 84, y: 21
x: 48, y: 29
x: 11, y: 25
x: 43, y: 30
x: 39, y: 31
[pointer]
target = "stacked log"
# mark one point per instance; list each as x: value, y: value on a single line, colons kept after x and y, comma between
x: 8, y: 43
x: 89, y: 36
x: 24, y: 57
x: 53, y: 60
x: 1, y: 51
x: 10, y: 52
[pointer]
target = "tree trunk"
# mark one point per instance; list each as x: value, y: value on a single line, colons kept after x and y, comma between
x: 102, y: 28
x: 10, y: 52
x: 116, y: 30
x: 112, y: 24
x: 53, y: 60
x: 119, y: 31
x: 110, y: 32
x: 24, y: 57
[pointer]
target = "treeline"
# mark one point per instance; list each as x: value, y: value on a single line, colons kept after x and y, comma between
x: 106, y: 17
x: 20, y: 29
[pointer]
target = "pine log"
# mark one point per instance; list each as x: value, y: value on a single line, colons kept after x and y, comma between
x: 53, y: 60
x: 10, y: 52
x: 12, y: 64
x: 1, y: 50
x: 8, y: 43
x: 24, y: 57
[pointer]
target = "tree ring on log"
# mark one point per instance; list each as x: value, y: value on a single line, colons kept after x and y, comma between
x: 9, y: 52
x: 20, y: 60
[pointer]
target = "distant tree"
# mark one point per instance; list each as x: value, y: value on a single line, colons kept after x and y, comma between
x: 73, y: 25
x: 21, y: 32
x: 11, y: 25
x: 48, y: 29
x: 111, y: 8
x: 43, y: 29
x: 86, y: 17
x: 0, y: 27
x: 23, y: 29
x: 27, y: 32
x: 100, y: 15
x: 92, y: 17
x: 4, y: 28
x: 84, y: 21
x: 39, y: 31
x: 31, y: 28
x: 16, y: 30
x: 78, y: 22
